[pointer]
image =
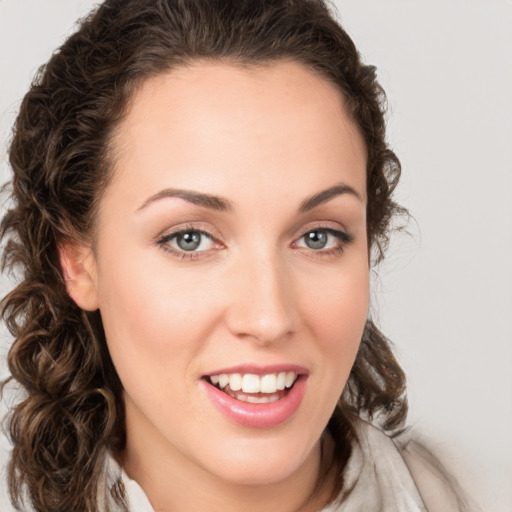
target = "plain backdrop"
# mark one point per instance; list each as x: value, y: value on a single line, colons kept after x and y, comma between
x: 444, y: 295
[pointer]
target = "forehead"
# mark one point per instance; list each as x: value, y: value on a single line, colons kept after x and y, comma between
x: 208, y: 121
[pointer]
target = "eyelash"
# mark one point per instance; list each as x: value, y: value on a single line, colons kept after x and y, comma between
x: 163, y: 242
x: 344, y: 240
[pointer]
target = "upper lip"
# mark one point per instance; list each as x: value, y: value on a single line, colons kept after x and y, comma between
x: 260, y: 370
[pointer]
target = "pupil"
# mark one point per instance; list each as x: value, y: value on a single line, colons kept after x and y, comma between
x: 316, y: 239
x: 189, y: 241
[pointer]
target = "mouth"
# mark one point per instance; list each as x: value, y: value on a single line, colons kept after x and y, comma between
x: 257, y: 397
x: 253, y: 388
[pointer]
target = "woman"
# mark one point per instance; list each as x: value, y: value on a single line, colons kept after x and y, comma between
x: 185, y: 340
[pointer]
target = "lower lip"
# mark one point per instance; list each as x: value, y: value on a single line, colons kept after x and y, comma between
x: 258, y: 415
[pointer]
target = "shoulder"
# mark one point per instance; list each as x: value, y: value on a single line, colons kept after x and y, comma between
x: 403, y: 470
x: 437, y: 486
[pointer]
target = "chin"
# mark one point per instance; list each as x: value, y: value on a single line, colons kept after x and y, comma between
x: 262, y: 463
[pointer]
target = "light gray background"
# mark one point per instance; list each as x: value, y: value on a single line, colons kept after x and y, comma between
x: 445, y: 293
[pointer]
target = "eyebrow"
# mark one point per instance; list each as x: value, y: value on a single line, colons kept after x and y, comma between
x: 327, y: 195
x: 198, y: 198
x: 220, y: 204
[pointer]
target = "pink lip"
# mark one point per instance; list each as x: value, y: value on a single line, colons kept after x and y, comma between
x: 257, y: 415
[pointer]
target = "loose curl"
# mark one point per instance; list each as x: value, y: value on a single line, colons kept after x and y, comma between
x: 72, y: 414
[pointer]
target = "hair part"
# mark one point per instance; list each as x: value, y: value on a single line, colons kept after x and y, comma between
x: 62, y: 158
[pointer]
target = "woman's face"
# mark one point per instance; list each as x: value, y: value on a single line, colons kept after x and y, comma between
x: 232, y: 248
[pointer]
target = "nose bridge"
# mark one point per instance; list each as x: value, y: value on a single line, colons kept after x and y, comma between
x: 262, y: 305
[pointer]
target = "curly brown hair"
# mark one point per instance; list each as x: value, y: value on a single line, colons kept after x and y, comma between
x: 72, y: 413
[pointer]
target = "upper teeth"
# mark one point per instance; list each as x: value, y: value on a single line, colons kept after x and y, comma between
x: 251, y: 383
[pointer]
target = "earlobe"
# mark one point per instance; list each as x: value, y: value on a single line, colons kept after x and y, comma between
x: 79, y: 270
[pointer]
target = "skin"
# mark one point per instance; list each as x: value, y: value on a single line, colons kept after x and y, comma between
x: 265, y: 139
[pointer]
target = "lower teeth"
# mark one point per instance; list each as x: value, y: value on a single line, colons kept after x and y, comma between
x: 259, y: 398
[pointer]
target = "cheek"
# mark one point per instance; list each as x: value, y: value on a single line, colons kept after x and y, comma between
x: 150, y: 316
x: 339, y: 303
x: 337, y: 313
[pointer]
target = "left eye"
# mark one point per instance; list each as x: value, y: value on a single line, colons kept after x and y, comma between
x: 319, y: 239
x: 189, y: 241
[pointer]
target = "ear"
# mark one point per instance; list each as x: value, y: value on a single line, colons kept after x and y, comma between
x: 79, y: 268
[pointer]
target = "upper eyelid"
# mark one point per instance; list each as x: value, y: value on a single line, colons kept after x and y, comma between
x: 172, y: 234
x: 344, y: 236
x: 326, y: 225
x: 200, y: 228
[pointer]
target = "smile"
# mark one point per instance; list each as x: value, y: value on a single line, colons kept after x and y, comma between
x: 257, y: 398
x: 252, y: 388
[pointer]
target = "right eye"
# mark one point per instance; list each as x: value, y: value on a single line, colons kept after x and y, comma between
x: 186, y: 241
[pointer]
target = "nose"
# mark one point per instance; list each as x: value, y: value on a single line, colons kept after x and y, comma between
x: 262, y: 307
